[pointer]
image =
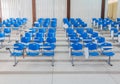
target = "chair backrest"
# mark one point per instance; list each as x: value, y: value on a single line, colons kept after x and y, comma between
x: 51, y: 35
x: 84, y: 35
x: 106, y: 46
x: 19, y: 46
x: 33, y: 46
x: 39, y: 35
x: 94, y: 34
x: 100, y: 39
x: 49, y: 46
x: 51, y: 40
x: 69, y: 30
x: 115, y: 30
x: 80, y: 30
x: 92, y: 46
x: 7, y: 30
x: 16, y: 25
x: 27, y: 34
x: 42, y: 30
x: 77, y: 46
x: 25, y: 39
x: 89, y: 30
x: 8, y: 25
x: 39, y: 39
x: 53, y: 24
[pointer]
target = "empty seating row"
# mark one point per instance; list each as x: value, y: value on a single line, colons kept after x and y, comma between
x: 32, y: 50
x: 13, y: 23
x: 46, y: 22
x: 105, y: 24
x: 74, y: 22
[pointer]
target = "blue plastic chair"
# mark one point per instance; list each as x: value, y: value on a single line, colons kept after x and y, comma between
x: 16, y: 26
x: 65, y: 21
x: 89, y: 30
x: 25, y: 41
x: 118, y: 19
x: 85, y: 38
x: 7, y: 32
x: 17, y: 51
x: 42, y: 30
x: 94, y: 35
x: 40, y: 35
x: 80, y: 30
x: 92, y: 49
x: 83, y: 25
x: 100, y: 40
x: 76, y: 50
x: 52, y: 30
x: 36, y: 24
x: 51, y: 35
x: 33, y: 50
x: 8, y: 25
x: 33, y: 31
x: 107, y: 51
x: 48, y: 50
x: 53, y: 24
x: 51, y: 40
x: 39, y: 40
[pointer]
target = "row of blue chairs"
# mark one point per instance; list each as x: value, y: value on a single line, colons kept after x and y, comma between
x: 32, y: 50
x: 39, y: 35
x: 46, y: 22
x: 14, y: 23
x: 74, y: 22
x: 82, y: 38
x: 105, y: 24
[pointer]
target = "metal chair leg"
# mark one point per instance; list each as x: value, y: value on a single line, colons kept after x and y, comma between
x: 109, y: 61
x: 15, y: 61
x: 72, y: 61
x: 52, y: 61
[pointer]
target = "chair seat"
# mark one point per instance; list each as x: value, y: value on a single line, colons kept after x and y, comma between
x: 17, y: 54
x: 109, y: 54
x: 33, y: 54
x: 93, y: 54
x: 49, y: 54
x: 77, y: 53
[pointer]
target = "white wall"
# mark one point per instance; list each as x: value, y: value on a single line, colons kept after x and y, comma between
x: 17, y: 8
x: 86, y: 9
x: 51, y: 8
